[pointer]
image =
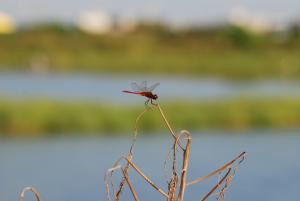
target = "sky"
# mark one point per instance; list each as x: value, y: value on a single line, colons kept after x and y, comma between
x: 171, y: 11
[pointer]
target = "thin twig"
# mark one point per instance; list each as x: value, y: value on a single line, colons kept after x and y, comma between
x: 135, y: 133
x: 167, y: 124
x: 217, y: 185
x: 32, y: 189
x: 108, y: 175
x: 228, y: 181
x: 166, y: 121
x: 108, y: 195
x: 242, y: 155
x: 122, y: 183
x: 130, y: 185
x: 146, y: 178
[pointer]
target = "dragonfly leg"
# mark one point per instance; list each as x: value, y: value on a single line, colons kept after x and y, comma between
x: 147, y: 102
x: 153, y: 103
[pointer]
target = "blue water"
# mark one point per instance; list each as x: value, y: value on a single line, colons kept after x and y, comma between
x: 68, y: 169
x: 107, y: 88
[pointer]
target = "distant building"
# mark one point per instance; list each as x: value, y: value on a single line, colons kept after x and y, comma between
x: 98, y: 22
x: 95, y: 22
x: 7, y: 24
x: 257, y: 22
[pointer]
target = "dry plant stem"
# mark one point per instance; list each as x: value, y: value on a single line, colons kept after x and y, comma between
x: 227, y: 184
x: 107, y: 183
x: 216, y: 186
x: 168, y: 156
x: 146, y: 178
x: 167, y: 123
x: 121, y: 186
x: 185, y: 162
x: 172, y: 189
x: 107, y: 190
x: 172, y: 184
x: 241, y: 156
x: 136, y: 130
x: 108, y: 175
x: 174, y: 178
x: 122, y: 183
x: 32, y: 189
x: 130, y: 185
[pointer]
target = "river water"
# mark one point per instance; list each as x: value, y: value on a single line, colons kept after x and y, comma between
x: 68, y: 169
x: 107, y: 88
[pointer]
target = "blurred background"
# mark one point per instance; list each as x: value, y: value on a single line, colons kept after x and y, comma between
x: 228, y: 71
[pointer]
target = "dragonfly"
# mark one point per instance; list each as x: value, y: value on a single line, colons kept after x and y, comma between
x: 142, y: 90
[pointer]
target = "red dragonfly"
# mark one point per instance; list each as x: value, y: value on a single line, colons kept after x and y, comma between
x: 143, y: 90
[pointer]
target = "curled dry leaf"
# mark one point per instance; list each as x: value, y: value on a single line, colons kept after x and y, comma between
x: 33, y: 190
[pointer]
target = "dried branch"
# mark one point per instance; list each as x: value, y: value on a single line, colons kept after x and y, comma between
x: 186, y: 154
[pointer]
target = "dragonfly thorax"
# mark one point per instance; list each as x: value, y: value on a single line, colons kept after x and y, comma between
x: 155, y: 96
x: 150, y: 95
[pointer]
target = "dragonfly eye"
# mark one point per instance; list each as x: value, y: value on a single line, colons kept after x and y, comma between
x: 155, y: 96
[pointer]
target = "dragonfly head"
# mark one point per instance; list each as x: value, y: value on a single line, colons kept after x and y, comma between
x: 155, y: 96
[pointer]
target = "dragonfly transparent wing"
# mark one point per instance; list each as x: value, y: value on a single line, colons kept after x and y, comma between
x: 152, y: 87
x: 144, y: 85
x: 139, y: 87
x: 135, y: 87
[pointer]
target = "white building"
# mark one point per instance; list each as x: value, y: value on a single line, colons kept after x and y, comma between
x: 254, y: 21
x: 95, y: 22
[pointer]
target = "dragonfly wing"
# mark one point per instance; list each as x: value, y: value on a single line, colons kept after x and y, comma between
x: 152, y: 87
x: 135, y: 87
x: 144, y: 85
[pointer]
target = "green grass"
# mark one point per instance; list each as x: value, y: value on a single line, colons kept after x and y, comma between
x: 226, y: 52
x: 46, y: 118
